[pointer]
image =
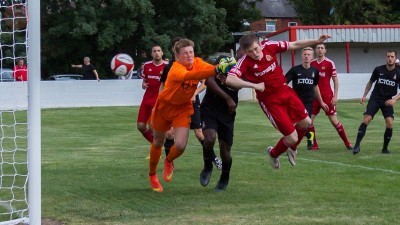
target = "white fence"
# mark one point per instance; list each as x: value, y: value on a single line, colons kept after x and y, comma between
x: 65, y: 94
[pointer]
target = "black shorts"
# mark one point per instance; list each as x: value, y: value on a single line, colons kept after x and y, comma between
x: 222, y: 124
x: 308, y: 106
x: 196, y: 120
x: 375, y: 104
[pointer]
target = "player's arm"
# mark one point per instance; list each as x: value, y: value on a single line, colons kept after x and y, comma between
x: 307, y: 42
x: 96, y: 74
x: 199, y: 74
x: 317, y: 95
x: 335, y: 89
x: 199, y: 89
x: 289, y: 75
x: 238, y: 83
x: 366, y: 91
x: 214, y: 88
x: 76, y: 66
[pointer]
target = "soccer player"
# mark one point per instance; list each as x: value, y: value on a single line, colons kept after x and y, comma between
x: 151, y: 73
x: 195, y: 123
x: 327, y: 71
x: 174, y: 107
x: 278, y: 101
x: 387, y: 78
x: 305, y: 83
x: 218, y: 112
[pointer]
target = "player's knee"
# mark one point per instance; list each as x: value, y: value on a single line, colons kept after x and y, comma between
x: 141, y: 127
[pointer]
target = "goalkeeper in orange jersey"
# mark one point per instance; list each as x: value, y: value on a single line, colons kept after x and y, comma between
x: 174, y: 106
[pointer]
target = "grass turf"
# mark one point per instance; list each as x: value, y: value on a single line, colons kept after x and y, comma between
x: 94, y: 172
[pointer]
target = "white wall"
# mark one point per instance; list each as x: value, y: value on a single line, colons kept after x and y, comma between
x: 64, y: 94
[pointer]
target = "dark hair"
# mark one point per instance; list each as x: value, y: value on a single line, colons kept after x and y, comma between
x: 174, y: 40
x: 247, y: 40
x: 395, y: 53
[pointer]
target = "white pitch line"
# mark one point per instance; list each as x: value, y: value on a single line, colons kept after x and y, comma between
x: 350, y: 165
x: 334, y: 163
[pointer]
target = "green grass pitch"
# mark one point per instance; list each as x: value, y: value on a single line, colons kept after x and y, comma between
x: 94, y: 171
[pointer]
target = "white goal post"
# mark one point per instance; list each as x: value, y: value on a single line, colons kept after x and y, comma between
x: 20, y: 127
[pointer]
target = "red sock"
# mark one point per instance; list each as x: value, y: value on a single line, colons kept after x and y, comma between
x: 173, y: 154
x: 342, y: 134
x: 300, y: 134
x: 279, y: 148
x: 155, y: 154
x: 148, y: 135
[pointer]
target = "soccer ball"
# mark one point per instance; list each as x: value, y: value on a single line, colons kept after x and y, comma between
x: 122, y: 64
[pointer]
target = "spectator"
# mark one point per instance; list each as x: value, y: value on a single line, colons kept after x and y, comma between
x: 20, y: 71
x: 89, y: 71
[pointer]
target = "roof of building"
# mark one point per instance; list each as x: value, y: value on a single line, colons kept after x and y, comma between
x: 276, y: 9
x: 341, y: 33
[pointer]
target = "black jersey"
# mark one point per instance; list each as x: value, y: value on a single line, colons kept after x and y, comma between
x: 387, y: 82
x: 88, y: 72
x: 304, y: 80
x: 214, y: 104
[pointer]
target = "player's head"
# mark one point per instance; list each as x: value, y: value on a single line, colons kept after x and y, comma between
x: 391, y: 56
x: 86, y: 60
x: 20, y: 62
x: 320, y: 50
x: 184, y: 52
x: 307, y: 54
x: 251, y: 46
x: 156, y: 52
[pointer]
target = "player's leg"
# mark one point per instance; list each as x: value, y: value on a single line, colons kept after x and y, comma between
x: 388, y: 113
x: 169, y: 141
x: 143, y: 117
x: 181, y: 138
x: 340, y: 130
x: 316, y: 107
x: 196, y: 125
x: 370, y: 111
x: 225, y: 139
x: 155, y: 153
x: 208, y: 151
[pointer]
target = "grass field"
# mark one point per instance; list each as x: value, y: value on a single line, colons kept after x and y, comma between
x: 95, y: 172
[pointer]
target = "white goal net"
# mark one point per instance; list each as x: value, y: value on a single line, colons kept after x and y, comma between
x: 14, y: 207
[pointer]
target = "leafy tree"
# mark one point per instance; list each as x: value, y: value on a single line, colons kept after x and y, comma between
x: 325, y: 12
x: 72, y: 29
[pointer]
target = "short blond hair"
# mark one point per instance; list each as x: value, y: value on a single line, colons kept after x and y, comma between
x: 307, y: 49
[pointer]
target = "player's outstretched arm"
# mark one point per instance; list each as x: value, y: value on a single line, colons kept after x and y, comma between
x: 238, y: 83
x: 307, y: 42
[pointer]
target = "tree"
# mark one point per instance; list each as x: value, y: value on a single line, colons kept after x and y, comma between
x: 325, y: 12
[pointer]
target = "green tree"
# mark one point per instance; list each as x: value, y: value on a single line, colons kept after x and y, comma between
x: 325, y: 12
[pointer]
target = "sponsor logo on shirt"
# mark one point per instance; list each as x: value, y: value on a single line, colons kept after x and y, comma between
x: 269, y: 69
x: 305, y: 81
x: 153, y: 77
x: 386, y: 82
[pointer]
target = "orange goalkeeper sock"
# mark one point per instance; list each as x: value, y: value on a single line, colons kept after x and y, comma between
x: 173, y: 154
x: 155, y: 153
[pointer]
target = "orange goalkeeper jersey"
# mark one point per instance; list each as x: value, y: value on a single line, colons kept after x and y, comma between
x: 182, y: 83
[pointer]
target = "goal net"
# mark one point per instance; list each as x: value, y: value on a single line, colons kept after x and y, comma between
x: 14, y: 172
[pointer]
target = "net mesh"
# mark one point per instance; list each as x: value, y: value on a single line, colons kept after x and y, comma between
x: 13, y: 118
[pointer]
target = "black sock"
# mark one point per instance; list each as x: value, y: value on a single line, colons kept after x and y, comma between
x: 167, y: 145
x: 361, y: 132
x: 226, y: 169
x: 308, y: 135
x: 208, y: 158
x: 386, y: 137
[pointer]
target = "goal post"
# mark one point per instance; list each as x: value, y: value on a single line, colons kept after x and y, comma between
x: 20, y: 114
